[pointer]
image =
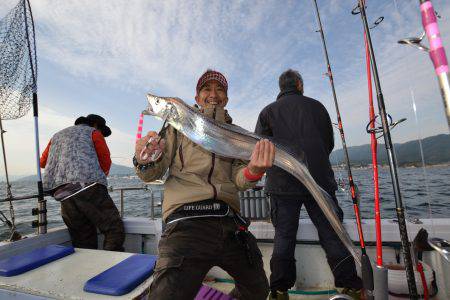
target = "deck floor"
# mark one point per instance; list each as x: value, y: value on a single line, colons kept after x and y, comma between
x: 227, y: 287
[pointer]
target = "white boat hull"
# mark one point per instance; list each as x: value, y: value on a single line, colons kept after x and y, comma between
x: 142, y: 236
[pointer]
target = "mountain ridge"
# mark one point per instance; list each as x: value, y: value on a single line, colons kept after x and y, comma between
x: 116, y: 170
x: 436, y: 150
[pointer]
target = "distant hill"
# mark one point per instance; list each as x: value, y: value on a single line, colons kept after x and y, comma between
x: 116, y: 170
x: 436, y: 151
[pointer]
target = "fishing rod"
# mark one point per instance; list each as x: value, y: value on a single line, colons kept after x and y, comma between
x: 381, y: 273
x: 436, y: 51
x: 391, y: 157
x: 366, y: 267
x: 374, y: 150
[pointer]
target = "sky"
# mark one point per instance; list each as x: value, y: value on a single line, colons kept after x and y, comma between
x: 102, y: 57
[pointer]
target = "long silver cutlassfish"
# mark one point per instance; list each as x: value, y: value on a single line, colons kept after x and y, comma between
x: 235, y: 142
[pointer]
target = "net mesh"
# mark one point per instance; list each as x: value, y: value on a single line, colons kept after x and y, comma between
x: 18, y: 66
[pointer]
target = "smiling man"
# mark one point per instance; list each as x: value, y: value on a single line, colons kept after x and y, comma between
x: 201, y: 206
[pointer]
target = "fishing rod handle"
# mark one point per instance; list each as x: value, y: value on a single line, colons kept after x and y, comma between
x: 437, y: 51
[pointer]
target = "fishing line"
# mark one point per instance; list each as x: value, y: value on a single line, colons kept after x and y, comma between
x: 422, y: 156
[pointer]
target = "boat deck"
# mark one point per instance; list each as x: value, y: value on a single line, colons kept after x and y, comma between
x: 65, y: 278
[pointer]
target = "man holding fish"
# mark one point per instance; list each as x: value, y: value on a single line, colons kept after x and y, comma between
x: 201, y: 204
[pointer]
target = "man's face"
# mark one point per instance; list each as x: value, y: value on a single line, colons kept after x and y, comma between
x: 212, y: 94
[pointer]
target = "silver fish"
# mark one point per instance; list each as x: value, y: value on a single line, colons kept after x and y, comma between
x: 235, y: 142
x: 438, y: 244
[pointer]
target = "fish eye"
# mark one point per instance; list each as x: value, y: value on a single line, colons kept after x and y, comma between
x: 157, y: 101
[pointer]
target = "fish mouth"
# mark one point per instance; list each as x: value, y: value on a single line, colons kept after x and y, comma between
x: 149, y: 111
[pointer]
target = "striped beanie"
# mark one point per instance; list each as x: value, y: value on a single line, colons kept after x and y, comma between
x: 212, y: 75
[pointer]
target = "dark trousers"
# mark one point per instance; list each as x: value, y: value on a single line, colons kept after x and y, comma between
x: 285, y: 213
x: 188, y: 249
x: 88, y: 210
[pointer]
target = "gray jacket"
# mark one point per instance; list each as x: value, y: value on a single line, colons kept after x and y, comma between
x: 72, y: 158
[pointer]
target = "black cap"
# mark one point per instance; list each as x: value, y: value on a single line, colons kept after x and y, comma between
x: 96, y: 120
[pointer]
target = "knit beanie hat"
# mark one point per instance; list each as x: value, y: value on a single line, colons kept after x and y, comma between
x: 212, y: 75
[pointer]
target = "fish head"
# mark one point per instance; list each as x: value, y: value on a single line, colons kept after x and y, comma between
x: 159, y: 107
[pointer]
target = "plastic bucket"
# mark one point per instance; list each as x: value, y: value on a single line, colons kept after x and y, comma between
x: 397, y: 279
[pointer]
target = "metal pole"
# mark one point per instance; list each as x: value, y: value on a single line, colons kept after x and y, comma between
x: 8, y: 185
x: 42, y: 204
x: 9, y: 196
x: 437, y: 52
x: 392, y: 161
x: 152, y: 201
x: 367, y: 272
x: 121, y: 203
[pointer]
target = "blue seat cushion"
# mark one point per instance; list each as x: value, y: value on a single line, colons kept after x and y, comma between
x: 25, y: 262
x: 123, y: 277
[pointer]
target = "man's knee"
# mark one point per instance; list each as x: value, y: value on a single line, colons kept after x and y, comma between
x: 175, y: 278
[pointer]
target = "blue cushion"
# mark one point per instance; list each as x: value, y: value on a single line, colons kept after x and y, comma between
x: 25, y: 262
x: 123, y: 277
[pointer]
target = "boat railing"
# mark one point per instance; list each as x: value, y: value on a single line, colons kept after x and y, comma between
x: 255, y: 205
x: 254, y: 202
x: 122, y: 190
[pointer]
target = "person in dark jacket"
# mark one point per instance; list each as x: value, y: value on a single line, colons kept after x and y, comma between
x: 304, y: 126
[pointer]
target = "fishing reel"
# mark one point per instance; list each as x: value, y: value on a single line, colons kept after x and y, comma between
x: 417, y: 41
x: 375, y: 127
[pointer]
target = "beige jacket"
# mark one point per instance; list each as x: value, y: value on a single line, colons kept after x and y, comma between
x: 196, y: 174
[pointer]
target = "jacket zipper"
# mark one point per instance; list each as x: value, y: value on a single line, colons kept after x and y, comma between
x: 180, y: 153
x: 213, y: 155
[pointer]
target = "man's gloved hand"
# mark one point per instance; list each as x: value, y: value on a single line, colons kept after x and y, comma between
x: 149, y: 148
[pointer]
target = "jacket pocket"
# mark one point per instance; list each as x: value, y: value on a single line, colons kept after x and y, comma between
x: 169, y: 228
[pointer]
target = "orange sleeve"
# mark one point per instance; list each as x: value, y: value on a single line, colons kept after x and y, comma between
x: 104, y: 157
x: 43, y: 160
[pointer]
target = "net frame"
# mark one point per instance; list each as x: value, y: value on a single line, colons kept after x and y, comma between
x: 18, y: 62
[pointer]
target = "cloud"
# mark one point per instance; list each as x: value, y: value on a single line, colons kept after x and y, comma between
x: 20, y: 140
x: 163, y: 46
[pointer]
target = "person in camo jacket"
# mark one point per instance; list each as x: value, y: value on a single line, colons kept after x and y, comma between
x: 76, y: 162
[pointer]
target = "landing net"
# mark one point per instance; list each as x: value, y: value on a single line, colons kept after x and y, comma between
x: 18, y: 67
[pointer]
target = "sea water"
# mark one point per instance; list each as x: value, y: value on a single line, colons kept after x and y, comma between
x: 425, y: 194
